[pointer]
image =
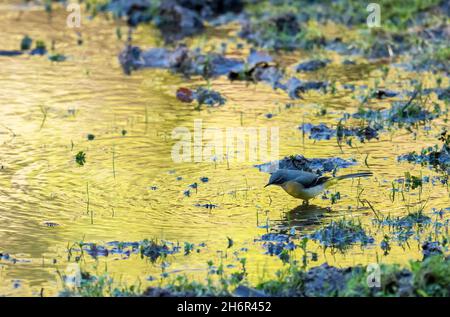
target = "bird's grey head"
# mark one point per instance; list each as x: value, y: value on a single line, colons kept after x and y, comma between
x: 278, y: 178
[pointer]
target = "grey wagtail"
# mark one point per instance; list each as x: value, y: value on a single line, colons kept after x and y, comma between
x: 305, y: 185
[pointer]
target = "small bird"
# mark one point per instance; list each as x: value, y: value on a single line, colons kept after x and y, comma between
x: 306, y: 185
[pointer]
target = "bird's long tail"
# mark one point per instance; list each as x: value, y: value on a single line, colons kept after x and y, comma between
x: 336, y: 179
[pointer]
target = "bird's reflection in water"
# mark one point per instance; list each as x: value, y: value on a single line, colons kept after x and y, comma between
x: 303, y: 218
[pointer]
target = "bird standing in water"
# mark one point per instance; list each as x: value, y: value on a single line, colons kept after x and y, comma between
x: 306, y: 185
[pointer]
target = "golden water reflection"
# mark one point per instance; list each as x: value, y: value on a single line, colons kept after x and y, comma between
x: 48, y: 109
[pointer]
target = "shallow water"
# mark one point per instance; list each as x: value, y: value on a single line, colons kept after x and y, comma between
x: 89, y: 94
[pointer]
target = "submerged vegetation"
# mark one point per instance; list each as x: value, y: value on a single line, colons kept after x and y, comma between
x: 433, y: 156
x: 341, y: 234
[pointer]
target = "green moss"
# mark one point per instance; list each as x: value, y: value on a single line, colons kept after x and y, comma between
x: 432, y: 277
x: 442, y: 54
x: 395, y: 15
x: 400, y: 14
x: 40, y: 44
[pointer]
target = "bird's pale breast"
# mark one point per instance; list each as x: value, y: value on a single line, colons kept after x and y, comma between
x: 298, y: 191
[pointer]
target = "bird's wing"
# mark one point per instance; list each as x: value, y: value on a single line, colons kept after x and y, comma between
x: 307, y: 179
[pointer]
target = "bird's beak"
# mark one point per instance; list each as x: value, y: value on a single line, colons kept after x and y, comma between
x: 267, y: 185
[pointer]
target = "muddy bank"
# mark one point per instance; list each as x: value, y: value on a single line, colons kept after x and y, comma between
x: 429, y: 277
x: 287, y: 25
x: 420, y: 33
x: 176, y: 19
